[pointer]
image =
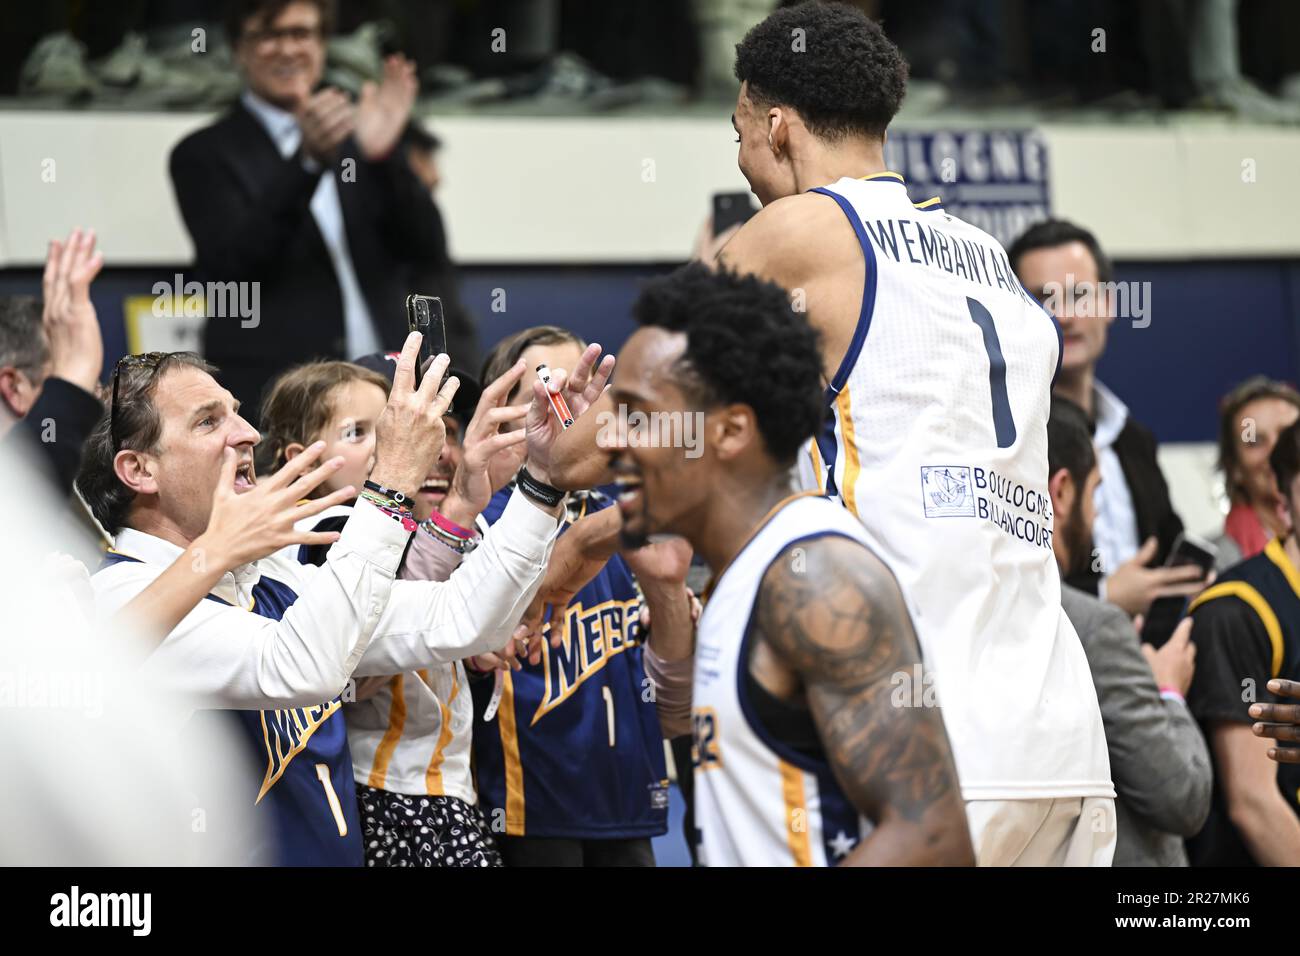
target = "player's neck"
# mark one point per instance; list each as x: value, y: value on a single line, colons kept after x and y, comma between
x: 734, y: 515
x: 1077, y: 386
x: 852, y: 159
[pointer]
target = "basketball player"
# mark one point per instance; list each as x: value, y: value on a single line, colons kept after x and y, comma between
x: 938, y: 369
x: 815, y: 741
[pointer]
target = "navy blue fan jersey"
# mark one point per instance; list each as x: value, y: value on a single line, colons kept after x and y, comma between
x: 305, y: 786
x: 575, y: 748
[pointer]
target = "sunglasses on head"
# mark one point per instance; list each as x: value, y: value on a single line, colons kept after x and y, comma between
x: 146, y: 360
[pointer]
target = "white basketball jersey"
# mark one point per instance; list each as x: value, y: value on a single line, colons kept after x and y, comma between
x: 936, y: 439
x: 757, y: 801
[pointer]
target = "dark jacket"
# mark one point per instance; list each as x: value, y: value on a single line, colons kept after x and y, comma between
x: 248, y: 211
x: 1136, y: 449
x: 1159, y: 761
x: 56, y: 430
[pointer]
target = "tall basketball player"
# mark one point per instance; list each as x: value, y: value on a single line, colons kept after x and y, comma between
x: 938, y: 369
x: 816, y: 739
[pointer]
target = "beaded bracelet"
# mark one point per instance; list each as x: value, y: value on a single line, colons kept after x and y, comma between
x: 449, y: 526
x: 385, y: 503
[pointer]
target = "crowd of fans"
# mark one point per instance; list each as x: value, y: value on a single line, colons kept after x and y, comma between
x: 414, y: 627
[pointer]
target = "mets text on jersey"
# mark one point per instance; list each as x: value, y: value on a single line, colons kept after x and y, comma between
x: 591, y: 637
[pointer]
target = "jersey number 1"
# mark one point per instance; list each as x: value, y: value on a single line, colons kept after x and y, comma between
x: 1004, y: 426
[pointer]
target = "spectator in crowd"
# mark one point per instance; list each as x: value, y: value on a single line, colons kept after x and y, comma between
x: 437, y: 276
x: 275, y: 641
x: 51, y: 354
x: 409, y: 734
x: 1063, y: 265
x: 1251, y: 416
x: 337, y: 403
x: 305, y: 197
x: 572, y: 762
x: 1247, y: 635
x: 1158, y: 758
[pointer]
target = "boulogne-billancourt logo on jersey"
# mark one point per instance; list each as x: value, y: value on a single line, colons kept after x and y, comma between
x: 592, y: 636
x: 969, y: 491
x: 286, y: 732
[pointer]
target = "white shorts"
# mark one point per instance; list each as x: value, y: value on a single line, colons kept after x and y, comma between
x: 1066, y: 831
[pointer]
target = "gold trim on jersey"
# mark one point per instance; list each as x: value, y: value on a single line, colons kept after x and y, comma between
x: 1277, y: 554
x: 433, y: 776
x: 796, y: 813
x: 887, y: 174
x: 510, y: 757
x: 933, y: 200
x: 396, y: 722
x: 713, y: 583
x: 852, y: 465
x: 816, y: 456
x: 1247, y: 594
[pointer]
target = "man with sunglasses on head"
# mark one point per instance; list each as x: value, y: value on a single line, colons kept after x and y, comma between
x: 278, y: 642
x: 305, y: 196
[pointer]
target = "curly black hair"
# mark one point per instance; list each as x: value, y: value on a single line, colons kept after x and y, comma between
x: 745, y: 344
x: 841, y: 73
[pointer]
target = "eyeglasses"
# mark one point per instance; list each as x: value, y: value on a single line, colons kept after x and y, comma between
x: 146, y: 360
x: 267, y: 39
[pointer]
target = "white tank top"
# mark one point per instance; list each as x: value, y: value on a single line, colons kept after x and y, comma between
x: 757, y: 801
x: 936, y: 439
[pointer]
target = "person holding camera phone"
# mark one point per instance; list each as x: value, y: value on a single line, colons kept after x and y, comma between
x: 1247, y: 628
x: 305, y: 196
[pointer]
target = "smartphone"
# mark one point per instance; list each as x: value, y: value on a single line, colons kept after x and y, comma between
x: 731, y: 209
x: 1165, y: 613
x: 424, y: 315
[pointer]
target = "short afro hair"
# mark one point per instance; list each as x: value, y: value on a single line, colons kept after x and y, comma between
x: 841, y: 73
x: 744, y: 344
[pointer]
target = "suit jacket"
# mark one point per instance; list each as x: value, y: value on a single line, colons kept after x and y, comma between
x: 248, y: 211
x: 1159, y: 761
x: 1136, y: 449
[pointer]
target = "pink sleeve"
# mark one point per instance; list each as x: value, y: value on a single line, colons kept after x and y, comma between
x: 428, y: 559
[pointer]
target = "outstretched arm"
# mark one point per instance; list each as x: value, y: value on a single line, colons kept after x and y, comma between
x: 833, y: 614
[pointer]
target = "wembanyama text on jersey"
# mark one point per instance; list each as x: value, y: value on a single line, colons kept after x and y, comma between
x: 936, y: 439
x: 575, y: 749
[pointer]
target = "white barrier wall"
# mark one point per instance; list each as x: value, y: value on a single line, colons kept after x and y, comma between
x: 619, y: 190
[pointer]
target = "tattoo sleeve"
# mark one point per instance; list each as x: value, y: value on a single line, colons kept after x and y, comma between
x: 836, y: 617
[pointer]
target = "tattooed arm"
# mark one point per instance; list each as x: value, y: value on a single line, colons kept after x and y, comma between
x: 837, y: 621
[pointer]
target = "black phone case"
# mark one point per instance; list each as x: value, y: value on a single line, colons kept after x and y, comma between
x: 432, y: 326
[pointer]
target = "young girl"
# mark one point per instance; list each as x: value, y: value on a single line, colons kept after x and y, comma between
x: 408, y: 734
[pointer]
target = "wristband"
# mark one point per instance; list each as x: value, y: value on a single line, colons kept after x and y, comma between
x: 458, y: 544
x: 1172, y: 693
x: 384, y: 503
x: 403, y: 501
x: 537, y: 490
x: 402, y: 518
x: 449, y: 526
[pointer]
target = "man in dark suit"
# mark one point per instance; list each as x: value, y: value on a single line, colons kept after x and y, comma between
x: 1063, y: 265
x: 306, y: 194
